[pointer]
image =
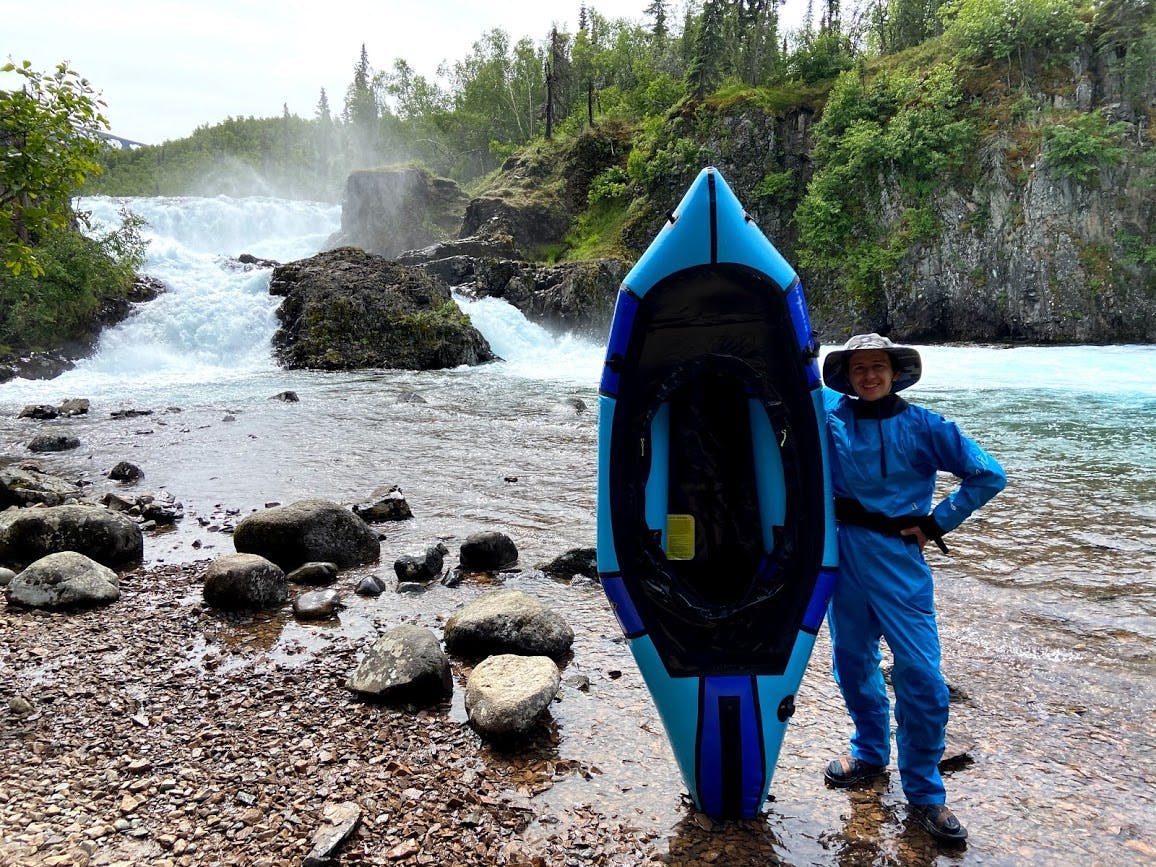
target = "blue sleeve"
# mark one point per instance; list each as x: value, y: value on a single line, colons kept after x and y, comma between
x: 981, y: 477
x: 831, y: 398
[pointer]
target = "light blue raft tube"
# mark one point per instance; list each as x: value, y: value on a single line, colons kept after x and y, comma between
x: 716, y: 534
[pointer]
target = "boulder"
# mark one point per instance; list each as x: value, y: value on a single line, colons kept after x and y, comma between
x: 53, y: 442
x: 507, y: 621
x: 488, y: 551
x: 307, y: 530
x: 41, y: 411
x: 107, y: 537
x: 370, y: 585
x: 125, y: 472
x: 576, y: 561
x: 244, y: 582
x: 406, y: 662
x: 64, y: 580
x: 75, y: 406
x: 346, y: 309
x: 506, y: 694
x: 28, y: 485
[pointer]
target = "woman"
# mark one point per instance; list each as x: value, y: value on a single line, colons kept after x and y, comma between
x: 886, y: 454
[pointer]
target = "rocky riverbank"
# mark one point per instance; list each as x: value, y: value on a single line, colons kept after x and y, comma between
x: 165, y: 733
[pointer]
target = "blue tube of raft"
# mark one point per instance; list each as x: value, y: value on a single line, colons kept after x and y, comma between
x: 716, y: 533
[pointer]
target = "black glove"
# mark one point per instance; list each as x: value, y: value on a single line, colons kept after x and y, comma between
x: 932, y: 531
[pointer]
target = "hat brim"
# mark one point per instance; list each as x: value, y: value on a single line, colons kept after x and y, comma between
x: 905, y: 361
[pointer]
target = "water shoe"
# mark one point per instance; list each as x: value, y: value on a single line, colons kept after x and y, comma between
x: 848, y: 770
x: 939, y: 822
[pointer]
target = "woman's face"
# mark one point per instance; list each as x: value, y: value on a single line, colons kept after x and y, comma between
x: 871, y: 373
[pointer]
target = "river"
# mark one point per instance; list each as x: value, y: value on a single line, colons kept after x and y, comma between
x: 1047, y: 601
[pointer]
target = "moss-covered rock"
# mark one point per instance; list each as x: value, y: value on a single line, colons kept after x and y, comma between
x: 346, y: 309
x: 389, y: 210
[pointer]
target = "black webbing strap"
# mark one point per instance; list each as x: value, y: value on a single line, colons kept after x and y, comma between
x: 851, y: 511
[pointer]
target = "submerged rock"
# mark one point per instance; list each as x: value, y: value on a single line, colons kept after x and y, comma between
x: 317, y: 605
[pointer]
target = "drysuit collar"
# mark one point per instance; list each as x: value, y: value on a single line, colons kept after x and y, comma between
x: 888, y: 406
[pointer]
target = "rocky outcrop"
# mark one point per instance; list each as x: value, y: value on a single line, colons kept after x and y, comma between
x: 531, y: 224
x: 388, y: 210
x: 576, y: 297
x: 1044, y: 265
x: 346, y: 309
x: 1021, y: 252
x: 109, y: 312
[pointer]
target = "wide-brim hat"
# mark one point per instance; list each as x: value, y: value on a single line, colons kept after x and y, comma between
x: 905, y: 362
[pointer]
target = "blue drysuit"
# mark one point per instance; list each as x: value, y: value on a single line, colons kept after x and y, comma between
x: 886, y: 454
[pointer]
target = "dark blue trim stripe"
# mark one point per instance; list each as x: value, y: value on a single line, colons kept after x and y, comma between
x: 817, y: 607
x: 713, y: 218
x: 623, y: 605
x: 730, y: 757
x: 624, y: 310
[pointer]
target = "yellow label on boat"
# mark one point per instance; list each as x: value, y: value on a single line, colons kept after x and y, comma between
x: 680, y: 537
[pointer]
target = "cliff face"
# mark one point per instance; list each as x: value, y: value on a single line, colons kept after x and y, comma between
x: 389, y: 210
x: 1023, y: 253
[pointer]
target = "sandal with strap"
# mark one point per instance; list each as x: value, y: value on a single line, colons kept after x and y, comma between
x: 940, y: 822
x: 846, y: 771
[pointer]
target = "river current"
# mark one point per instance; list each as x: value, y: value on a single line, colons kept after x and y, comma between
x: 1047, y: 600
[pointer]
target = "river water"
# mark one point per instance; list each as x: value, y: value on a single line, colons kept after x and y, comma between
x: 1047, y: 601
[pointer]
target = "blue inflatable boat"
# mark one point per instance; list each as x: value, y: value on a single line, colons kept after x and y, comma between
x: 716, y: 534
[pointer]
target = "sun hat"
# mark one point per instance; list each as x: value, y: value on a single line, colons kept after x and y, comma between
x: 904, y: 361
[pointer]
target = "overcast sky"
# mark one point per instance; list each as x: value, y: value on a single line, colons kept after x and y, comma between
x: 164, y: 67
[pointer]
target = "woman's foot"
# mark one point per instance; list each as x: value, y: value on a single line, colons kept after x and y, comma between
x: 939, y: 822
x: 848, y: 770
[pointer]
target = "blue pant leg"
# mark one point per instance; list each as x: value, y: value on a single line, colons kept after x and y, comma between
x: 904, y: 602
x: 855, y: 634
